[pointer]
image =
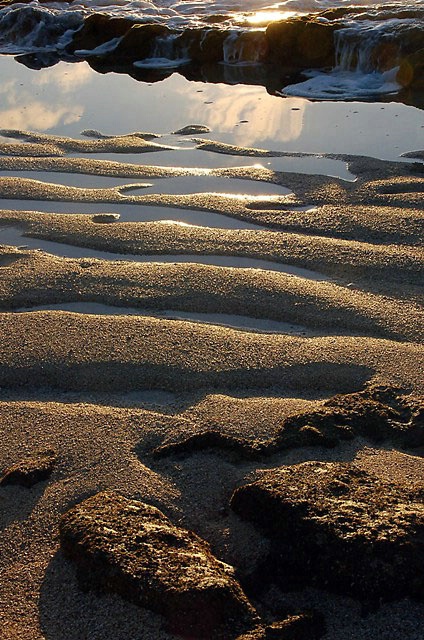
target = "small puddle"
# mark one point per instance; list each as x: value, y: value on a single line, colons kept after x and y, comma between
x: 135, y: 213
x: 174, y: 185
x: 221, y: 319
x: 193, y: 158
x: 14, y: 237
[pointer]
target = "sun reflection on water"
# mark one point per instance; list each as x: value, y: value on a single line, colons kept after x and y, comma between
x: 271, y: 15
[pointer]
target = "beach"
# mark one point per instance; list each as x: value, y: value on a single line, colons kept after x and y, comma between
x: 211, y: 355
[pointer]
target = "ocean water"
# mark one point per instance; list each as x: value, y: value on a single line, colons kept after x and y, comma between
x: 227, y: 42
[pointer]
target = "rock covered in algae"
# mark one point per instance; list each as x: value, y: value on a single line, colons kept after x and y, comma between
x: 132, y: 549
x: 30, y: 470
x: 336, y: 526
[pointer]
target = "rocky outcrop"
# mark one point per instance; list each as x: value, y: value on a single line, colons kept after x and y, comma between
x: 301, y: 43
x: 284, y: 50
x: 335, y: 526
x: 132, y: 549
x: 295, y: 43
x: 97, y: 29
x: 30, y: 470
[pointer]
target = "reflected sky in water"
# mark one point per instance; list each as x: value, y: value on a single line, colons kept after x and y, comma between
x: 68, y: 98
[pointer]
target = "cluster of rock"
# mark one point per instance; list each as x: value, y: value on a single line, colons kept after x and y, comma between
x: 293, y: 45
x: 132, y: 549
x: 329, y: 525
x: 284, y: 49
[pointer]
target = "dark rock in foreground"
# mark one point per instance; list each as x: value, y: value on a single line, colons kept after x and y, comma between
x: 132, y: 549
x: 332, y: 525
x: 30, y: 470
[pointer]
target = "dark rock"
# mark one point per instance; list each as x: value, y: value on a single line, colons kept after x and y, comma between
x: 138, y: 42
x: 301, y: 43
x: 132, y: 549
x: 204, y: 45
x: 97, y: 29
x: 248, y: 46
x: 378, y: 413
x: 333, y: 525
x: 105, y: 218
x: 30, y: 470
x: 414, y: 435
x: 192, y: 129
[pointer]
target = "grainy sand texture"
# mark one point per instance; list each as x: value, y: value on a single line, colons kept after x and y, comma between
x: 169, y: 405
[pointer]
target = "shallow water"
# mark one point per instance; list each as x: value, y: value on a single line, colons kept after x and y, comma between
x: 246, y: 323
x: 68, y: 98
x: 14, y: 237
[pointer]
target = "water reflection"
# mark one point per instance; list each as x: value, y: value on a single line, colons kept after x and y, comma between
x: 268, y: 120
x: 67, y: 98
x: 40, y: 101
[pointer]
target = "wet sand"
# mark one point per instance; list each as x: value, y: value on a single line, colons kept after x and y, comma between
x: 105, y: 390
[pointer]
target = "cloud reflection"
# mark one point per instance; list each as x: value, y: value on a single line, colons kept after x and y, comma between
x: 267, y: 118
x: 66, y: 78
x: 40, y: 100
x: 36, y: 115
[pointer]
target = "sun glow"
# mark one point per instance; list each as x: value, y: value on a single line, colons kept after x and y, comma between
x: 264, y: 17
